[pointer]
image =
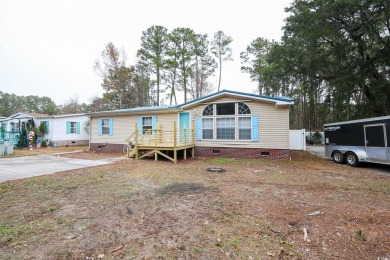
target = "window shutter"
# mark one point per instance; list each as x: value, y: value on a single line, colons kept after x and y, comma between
x: 199, y: 132
x: 47, y: 127
x: 67, y: 127
x: 111, y: 125
x: 78, y: 127
x: 99, y: 126
x: 255, y: 128
x: 154, y: 122
x: 140, y: 125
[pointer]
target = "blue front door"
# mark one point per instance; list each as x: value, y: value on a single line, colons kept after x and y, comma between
x: 184, y: 126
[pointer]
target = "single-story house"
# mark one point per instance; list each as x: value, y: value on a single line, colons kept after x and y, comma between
x: 63, y: 130
x: 224, y: 124
x: 66, y: 130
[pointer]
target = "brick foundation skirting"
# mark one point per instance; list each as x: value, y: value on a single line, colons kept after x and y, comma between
x: 250, y: 153
x: 106, y: 147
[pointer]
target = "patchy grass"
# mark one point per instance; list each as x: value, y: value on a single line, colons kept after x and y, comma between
x: 222, y: 160
x: 360, y: 235
x: 144, y: 209
x: 26, y: 152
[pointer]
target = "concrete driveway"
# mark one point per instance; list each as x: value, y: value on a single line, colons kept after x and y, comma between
x: 318, y: 150
x: 30, y: 166
x: 382, y: 169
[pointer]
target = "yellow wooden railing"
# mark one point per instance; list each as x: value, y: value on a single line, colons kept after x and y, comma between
x: 158, y: 139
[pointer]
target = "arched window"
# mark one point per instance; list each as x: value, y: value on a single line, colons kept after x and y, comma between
x: 228, y: 121
x: 243, y: 109
x: 209, y: 110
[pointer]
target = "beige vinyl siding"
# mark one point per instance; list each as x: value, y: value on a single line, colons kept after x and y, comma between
x: 273, y: 125
x: 165, y: 124
x: 123, y: 126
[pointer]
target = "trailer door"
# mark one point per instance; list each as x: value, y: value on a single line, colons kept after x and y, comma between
x: 376, y: 143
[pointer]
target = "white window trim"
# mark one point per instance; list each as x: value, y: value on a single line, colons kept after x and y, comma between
x: 143, y: 125
x: 236, y: 126
x: 73, y: 128
x: 248, y: 128
x: 212, y: 128
x: 106, y: 127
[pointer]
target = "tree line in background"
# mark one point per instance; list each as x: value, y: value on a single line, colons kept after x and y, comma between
x: 333, y: 60
x: 11, y: 104
x: 169, y: 64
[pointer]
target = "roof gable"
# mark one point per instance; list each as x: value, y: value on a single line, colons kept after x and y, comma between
x: 277, y: 100
x: 20, y: 116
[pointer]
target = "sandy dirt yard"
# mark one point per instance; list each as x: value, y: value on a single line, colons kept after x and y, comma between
x: 306, y: 208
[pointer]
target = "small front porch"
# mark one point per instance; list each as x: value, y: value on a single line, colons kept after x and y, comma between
x: 161, y: 142
x: 10, y: 136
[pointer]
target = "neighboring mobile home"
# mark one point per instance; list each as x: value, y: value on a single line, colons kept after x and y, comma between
x: 12, y: 126
x: 66, y: 130
x: 61, y: 129
x: 223, y: 124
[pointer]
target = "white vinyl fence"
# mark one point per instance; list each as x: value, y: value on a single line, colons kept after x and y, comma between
x: 298, y: 140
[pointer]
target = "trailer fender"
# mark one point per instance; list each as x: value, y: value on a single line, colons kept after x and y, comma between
x: 360, y: 154
x: 360, y: 151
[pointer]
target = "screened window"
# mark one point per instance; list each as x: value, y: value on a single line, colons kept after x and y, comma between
x: 226, y: 109
x: 225, y: 128
x: 244, y: 128
x: 146, y: 124
x: 209, y: 110
x: 207, y: 128
x: 105, y: 126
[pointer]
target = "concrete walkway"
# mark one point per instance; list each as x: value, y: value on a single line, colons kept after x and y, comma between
x: 30, y: 166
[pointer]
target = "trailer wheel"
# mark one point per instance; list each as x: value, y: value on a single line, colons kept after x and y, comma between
x: 338, y: 157
x: 352, y: 159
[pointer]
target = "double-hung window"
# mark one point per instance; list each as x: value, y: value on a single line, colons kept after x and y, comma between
x: 208, y: 128
x: 105, y: 126
x: 73, y: 127
x: 147, y: 124
x: 244, y: 128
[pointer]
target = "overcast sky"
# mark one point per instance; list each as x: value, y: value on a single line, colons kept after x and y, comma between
x: 48, y: 47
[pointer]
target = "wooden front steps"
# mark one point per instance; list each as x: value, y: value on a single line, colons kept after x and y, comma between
x: 159, y: 142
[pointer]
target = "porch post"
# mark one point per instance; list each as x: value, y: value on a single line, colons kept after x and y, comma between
x: 136, y: 141
x: 174, y: 142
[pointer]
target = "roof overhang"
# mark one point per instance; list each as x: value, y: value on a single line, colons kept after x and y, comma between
x: 246, y: 97
x: 19, y: 116
x: 238, y: 96
x: 135, y: 111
